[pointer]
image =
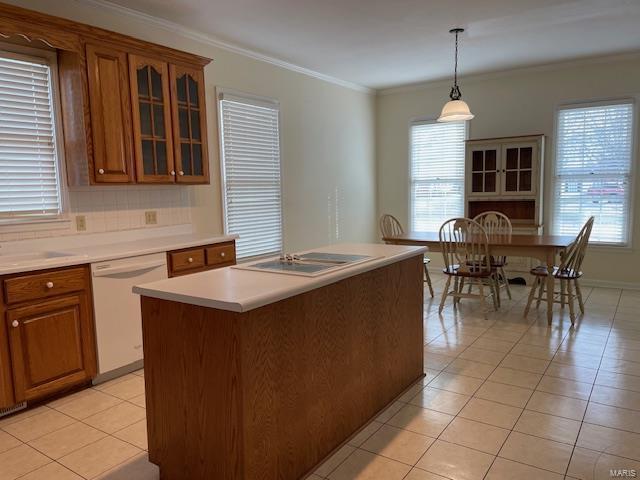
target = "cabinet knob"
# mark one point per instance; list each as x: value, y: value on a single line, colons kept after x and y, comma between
x: 173, y: 173
x: 190, y: 260
x: 15, y: 323
x: 49, y: 285
x: 222, y: 254
x: 101, y: 171
x: 180, y: 173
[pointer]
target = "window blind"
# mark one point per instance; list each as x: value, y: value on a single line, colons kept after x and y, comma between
x: 593, y: 171
x: 29, y: 178
x: 251, y: 172
x: 436, y: 173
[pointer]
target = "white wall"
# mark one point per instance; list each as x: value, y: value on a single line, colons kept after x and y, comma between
x: 327, y: 135
x: 512, y: 103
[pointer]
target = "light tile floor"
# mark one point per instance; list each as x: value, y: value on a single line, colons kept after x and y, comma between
x: 504, y: 397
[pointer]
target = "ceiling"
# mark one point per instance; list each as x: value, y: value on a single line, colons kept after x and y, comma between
x: 382, y: 43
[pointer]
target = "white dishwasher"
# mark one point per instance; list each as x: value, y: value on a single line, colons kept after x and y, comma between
x: 117, y: 310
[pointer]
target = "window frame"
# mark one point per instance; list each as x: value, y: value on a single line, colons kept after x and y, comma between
x: 634, y: 100
x: 24, y: 223
x: 425, y: 121
x: 255, y: 100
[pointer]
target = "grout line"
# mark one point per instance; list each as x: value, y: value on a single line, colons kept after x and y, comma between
x: 523, y: 408
x: 566, y: 472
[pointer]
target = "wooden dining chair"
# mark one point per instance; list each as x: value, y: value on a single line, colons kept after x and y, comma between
x: 465, y: 249
x: 568, y: 273
x: 497, y: 223
x: 390, y: 226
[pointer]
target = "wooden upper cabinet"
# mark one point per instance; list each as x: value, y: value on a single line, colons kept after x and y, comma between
x: 151, y: 109
x: 132, y: 111
x: 110, y: 106
x: 189, y: 124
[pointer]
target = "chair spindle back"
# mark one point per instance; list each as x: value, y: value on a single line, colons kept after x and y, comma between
x: 390, y: 226
x: 571, y: 259
x: 465, y: 246
x: 495, y: 224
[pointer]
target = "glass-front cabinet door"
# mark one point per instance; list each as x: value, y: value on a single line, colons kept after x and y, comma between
x: 151, y: 106
x: 518, y: 168
x: 484, y: 170
x: 189, y: 124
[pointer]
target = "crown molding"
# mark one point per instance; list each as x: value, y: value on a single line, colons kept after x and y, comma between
x: 494, y: 74
x: 216, y: 42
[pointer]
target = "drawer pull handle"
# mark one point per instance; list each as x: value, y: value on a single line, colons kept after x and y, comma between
x: 181, y: 173
x: 49, y: 285
x: 15, y: 324
x: 222, y: 254
x: 101, y: 171
x: 173, y: 173
x: 190, y: 260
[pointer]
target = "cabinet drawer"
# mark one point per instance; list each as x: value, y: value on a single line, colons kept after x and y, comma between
x: 43, y: 285
x: 186, y: 259
x: 221, y: 254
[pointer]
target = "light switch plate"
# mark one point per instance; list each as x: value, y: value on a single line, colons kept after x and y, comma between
x: 81, y: 223
x: 151, y: 217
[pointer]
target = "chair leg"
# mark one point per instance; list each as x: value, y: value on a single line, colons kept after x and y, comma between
x: 456, y: 290
x: 572, y: 314
x: 540, y: 292
x: 563, y: 293
x: 532, y: 293
x: 428, y: 279
x: 506, y: 282
x: 460, y: 288
x: 496, y: 279
x: 482, y: 299
x: 495, y: 288
x: 579, y: 294
x: 445, y: 293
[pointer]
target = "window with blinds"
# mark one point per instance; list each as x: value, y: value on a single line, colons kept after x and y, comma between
x: 594, y: 152
x: 29, y: 173
x: 436, y: 173
x: 251, y: 174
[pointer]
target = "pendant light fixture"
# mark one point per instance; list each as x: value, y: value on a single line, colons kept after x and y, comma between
x: 456, y: 109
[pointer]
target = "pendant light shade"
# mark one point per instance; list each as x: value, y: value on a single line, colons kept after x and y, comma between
x: 456, y: 109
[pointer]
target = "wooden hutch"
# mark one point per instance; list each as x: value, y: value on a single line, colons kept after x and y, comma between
x: 506, y: 175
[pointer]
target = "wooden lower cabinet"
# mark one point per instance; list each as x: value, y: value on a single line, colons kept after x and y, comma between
x: 51, y: 344
x: 199, y: 259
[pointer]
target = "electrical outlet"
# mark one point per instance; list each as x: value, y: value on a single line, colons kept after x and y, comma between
x: 151, y: 217
x: 81, y: 223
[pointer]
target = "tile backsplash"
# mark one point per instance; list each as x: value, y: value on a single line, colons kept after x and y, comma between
x: 115, y: 209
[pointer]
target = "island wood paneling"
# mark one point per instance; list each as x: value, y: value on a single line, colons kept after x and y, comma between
x: 267, y: 394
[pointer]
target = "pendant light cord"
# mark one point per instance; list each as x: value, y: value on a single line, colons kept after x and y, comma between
x: 455, y: 90
x: 455, y: 67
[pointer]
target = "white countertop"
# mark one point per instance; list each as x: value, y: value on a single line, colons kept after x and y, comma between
x: 238, y: 290
x: 99, y: 252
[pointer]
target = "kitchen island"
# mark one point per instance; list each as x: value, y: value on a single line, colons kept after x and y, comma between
x: 258, y: 375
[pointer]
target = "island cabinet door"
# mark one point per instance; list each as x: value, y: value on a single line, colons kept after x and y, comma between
x: 189, y: 124
x: 110, y: 107
x: 52, y: 346
x: 151, y: 107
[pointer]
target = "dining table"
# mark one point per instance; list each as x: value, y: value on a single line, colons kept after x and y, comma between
x: 544, y: 248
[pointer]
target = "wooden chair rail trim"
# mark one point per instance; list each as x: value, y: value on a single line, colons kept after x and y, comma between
x: 66, y: 34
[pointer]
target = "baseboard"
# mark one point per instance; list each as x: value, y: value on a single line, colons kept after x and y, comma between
x: 118, y: 372
x: 609, y: 284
